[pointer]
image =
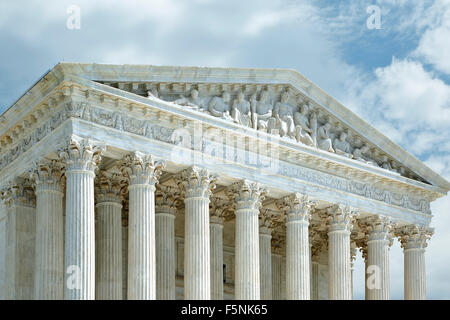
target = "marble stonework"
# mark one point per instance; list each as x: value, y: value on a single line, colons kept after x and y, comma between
x: 147, y: 182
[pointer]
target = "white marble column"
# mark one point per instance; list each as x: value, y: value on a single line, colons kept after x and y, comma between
x: 82, y: 157
x: 277, y: 280
x: 196, y: 184
x: 314, y: 280
x: 218, y: 208
x: 20, y: 225
x: 49, y: 267
x: 248, y: 196
x: 353, y: 251
x: 125, y: 251
x: 340, y: 220
x: 363, y: 249
x: 317, y: 243
x: 109, y: 238
x: 378, y: 243
x: 297, y: 209
x: 142, y: 172
x: 414, y: 241
x: 2, y: 249
x: 265, y: 262
x: 167, y: 199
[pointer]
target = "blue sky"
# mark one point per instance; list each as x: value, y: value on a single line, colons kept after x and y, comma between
x: 397, y: 78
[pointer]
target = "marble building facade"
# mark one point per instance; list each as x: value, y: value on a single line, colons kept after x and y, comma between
x: 147, y: 182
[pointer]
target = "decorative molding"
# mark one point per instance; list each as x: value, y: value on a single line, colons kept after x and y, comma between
x: 141, y: 168
x: 48, y: 174
x: 341, y: 217
x: 196, y: 182
x: 18, y: 191
x: 414, y: 237
x: 110, y: 187
x: 146, y: 128
x: 167, y: 199
x: 246, y: 194
x: 296, y: 206
x: 81, y: 154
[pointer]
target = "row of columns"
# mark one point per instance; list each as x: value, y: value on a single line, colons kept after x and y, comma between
x: 151, y: 254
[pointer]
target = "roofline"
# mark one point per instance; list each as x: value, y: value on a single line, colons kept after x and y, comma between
x: 118, y: 73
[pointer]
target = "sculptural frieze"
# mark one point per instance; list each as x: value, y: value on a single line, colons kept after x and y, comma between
x: 220, y: 106
x: 241, y: 110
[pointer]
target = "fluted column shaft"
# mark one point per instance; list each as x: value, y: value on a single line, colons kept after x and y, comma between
x: 165, y: 253
x: 378, y: 258
x: 109, y: 251
x: 265, y: 259
x: 314, y: 280
x: 339, y: 259
x: 197, y: 269
x: 247, y: 276
x: 248, y: 196
x: 277, y: 281
x: 297, y: 260
x: 216, y: 238
x: 20, y: 241
x: 49, y: 268
x: 80, y: 236
x: 141, y: 243
x: 415, y: 276
x: 339, y: 265
x: 197, y: 273
x: 142, y: 172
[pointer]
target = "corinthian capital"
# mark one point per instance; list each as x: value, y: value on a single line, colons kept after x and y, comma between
x: 110, y: 187
x: 167, y: 199
x: 141, y: 168
x: 297, y: 207
x: 48, y: 175
x: 247, y: 194
x: 379, y: 228
x: 82, y: 154
x: 414, y: 236
x: 220, y: 209
x: 341, y: 217
x: 18, y: 191
x: 196, y: 182
x: 269, y: 220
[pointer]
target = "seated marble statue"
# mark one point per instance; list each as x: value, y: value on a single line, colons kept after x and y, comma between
x: 284, y: 116
x: 219, y: 106
x: 303, y: 136
x: 153, y: 93
x: 263, y: 111
x: 241, y: 111
x: 194, y: 101
x: 386, y: 165
x: 361, y: 155
x: 341, y: 146
x: 323, y: 138
x: 302, y: 130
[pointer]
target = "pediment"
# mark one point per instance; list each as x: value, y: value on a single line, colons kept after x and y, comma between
x: 297, y: 101
x: 297, y: 110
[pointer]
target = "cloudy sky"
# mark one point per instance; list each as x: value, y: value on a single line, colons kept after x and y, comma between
x: 396, y: 76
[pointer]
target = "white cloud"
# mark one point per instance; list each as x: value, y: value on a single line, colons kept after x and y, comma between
x: 260, y: 21
x: 434, y: 47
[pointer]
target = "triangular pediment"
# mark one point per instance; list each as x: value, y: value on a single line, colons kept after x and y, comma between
x: 294, y: 102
